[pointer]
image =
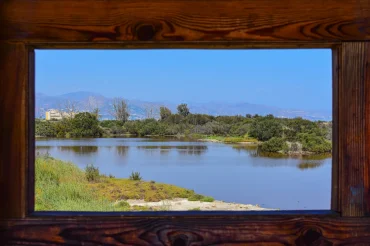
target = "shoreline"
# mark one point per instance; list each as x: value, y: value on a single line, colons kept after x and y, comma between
x: 94, y: 191
x: 182, y: 204
x: 219, y: 141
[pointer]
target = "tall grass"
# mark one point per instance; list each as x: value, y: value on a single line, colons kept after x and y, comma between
x: 62, y: 186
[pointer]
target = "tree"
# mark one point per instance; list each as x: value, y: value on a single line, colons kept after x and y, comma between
x: 96, y: 112
x: 45, y: 129
x: 264, y: 128
x: 151, y: 112
x: 70, y: 109
x: 120, y: 109
x: 248, y: 116
x: 86, y: 125
x: 92, y: 106
x: 164, y: 112
x: 183, y: 109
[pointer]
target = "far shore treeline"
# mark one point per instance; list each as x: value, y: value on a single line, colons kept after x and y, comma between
x: 271, y: 134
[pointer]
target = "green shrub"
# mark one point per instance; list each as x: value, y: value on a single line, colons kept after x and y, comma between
x: 194, y: 209
x: 45, y: 128
x: 314, y: 143
x: 207, y: 199
x: 122, y: 205
x: 274, y: 145
x: 135, y: 176
x: 196, y: 197
x: 265, y: 128
x: 111, y: 123
x: 92, y: 173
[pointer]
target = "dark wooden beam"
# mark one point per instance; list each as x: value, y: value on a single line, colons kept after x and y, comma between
x: 335, y: 194
x: 151, y: 231
x: 354, y: 128
x: 14, y: 129
x: 185, y: 20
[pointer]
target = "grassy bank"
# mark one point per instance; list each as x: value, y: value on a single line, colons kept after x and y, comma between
x: 235, y: 139
x: 62, y: 186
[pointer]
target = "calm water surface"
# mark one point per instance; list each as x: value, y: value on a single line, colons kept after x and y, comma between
x: 232, y: 173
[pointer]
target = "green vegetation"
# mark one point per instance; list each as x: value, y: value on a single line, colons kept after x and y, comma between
x: 92, y: 173
x: 164, y: 112
x: 274, y: 144
x: 242, y: 139
x: 62, y: 186
x: 195, y: 209
x: 122, y: 189
x: 197, y: 197
x: 82, y: 125
x: 183, y: 110
x: 314, y: 143
x: 290, y: 136
x: 207, y: 199
x: 135, y: 176
x: 122, y: 204
x: 85, y: 125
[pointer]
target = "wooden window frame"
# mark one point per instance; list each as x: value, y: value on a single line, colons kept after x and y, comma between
x: 342, y: 25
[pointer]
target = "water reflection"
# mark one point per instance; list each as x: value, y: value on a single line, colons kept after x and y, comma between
x: 192, y: 150
x: 79, y: 150
x: 236, y: 173
x: 164, y: 152
x: 181, y: 149
x: 153, y: 139
x: 122, y: 150
x: 43, y: 147
x: 42, y: 150
x: 306, y: 162
x: 310, y: 165
x: 244, y: 147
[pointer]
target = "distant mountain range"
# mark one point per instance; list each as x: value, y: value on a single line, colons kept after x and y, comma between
x: 85, y: 100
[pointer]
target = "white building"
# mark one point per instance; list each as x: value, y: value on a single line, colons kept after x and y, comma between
x: 54, y: 114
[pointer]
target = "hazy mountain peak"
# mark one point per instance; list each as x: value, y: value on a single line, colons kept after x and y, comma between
x: 139, y: 108
x: 80, y: 95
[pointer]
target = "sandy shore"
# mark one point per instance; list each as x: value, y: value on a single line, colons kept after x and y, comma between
x: 181, y: 204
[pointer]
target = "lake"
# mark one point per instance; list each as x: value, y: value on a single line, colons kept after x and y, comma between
x: 227, y: 172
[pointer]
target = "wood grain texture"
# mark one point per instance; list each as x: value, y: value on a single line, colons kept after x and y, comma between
x: 14, y: 131
x: 30, y: 161
x: 367, y: 132
x: 185, y: 45
x: 354, y: 123
x: 278, y: 230
x: 187, y: 24
x: 185, y: 20
x: 335, y: 194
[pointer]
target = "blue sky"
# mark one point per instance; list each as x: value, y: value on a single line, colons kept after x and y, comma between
x: 298, y: 79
